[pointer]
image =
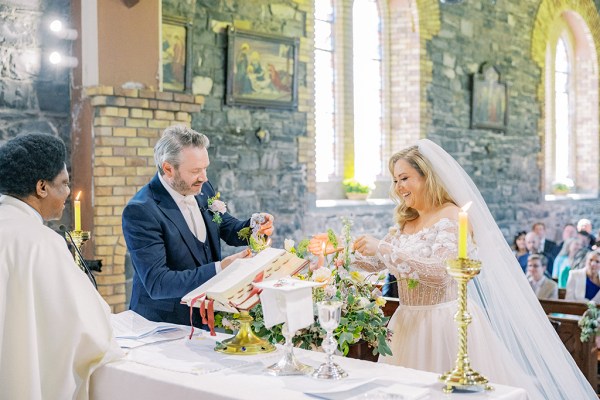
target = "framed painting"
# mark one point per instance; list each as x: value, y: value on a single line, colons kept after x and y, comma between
x: 262, y: 70
x: 176, y: 51
x: 490, y: 100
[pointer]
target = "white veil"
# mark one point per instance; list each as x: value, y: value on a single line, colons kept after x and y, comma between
x: 505, y: 296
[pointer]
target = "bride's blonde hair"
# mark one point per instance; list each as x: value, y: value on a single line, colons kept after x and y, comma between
x: 435, y: 192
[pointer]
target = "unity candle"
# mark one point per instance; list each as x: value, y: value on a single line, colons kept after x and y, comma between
x: 463, y: 228
x: 321, y: 259
x: 77, y: 209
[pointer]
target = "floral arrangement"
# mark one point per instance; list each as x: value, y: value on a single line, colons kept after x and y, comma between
x: 589, y: 322
x: 217, y: 207
x: 362, y: 317
x: 256, y: 240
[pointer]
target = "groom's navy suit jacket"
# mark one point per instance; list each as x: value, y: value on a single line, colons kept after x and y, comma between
x: 167, y: 258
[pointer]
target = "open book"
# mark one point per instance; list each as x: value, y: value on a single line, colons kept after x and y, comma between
x: 232, y: 290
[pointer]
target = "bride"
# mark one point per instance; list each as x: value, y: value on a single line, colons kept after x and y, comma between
x: 510, y: 339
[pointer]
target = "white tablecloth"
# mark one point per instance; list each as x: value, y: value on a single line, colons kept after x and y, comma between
x: 191, y: 369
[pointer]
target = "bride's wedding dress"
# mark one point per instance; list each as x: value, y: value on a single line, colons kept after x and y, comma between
x: 425, y: 335
x: 508, y: 322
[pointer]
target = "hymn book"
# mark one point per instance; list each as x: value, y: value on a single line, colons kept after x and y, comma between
x: 232, y: 289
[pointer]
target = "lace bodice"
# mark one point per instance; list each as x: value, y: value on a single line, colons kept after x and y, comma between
x: 418, y: 261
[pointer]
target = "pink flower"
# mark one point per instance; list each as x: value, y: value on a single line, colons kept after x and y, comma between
x: 218, y: 206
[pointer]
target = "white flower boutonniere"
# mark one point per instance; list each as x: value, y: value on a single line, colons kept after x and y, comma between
x: 217, y: 207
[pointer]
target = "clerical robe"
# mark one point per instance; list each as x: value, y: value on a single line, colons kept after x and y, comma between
x: 54, y: 326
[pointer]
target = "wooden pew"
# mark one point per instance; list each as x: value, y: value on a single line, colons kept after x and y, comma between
x: 568, y: 314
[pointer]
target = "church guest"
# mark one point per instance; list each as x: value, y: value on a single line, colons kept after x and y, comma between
x: 569, y: 231
x: 546, y: 246
x: 428, y: 186
x: 519, y: 248
x: 532, y: 243
x: 543, y: 287
x: 584, y: 283
x: 565, y: 259
x: 54, y: 327
x: 585, y: 225
x: 172, y: 233
x: 579, y: 259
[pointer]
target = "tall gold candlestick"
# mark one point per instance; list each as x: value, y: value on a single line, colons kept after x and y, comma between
x: 79, y: 238
x: 463, y: 377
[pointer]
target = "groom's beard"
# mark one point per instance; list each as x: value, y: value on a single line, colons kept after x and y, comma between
x: 183, y: 187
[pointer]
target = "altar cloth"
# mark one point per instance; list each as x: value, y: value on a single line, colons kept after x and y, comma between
x: 185, y: 369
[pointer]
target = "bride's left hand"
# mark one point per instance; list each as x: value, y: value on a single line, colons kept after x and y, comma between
x: 366, y: 245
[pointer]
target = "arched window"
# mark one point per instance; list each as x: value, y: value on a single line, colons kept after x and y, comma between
x: 366, y: 23
x: 324, y: 91
x: 348, y: 94
x: 571, y: 139
x: 562, y: 119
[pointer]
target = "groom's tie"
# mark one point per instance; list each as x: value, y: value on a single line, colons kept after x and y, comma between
x: 197, y: 223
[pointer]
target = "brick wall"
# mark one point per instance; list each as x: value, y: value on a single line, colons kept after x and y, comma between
x: 126, y: 126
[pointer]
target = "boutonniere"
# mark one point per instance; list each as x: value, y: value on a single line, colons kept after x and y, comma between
x: 217, y: 207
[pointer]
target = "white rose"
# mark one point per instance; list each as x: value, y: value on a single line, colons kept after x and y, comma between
x: 322, y: 274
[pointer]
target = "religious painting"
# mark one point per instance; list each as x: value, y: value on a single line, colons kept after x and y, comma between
x: 176, y: 73
x: 490, y: 99
x: 262, y: 70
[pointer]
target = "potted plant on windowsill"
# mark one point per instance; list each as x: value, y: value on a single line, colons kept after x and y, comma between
x: 355, y: 190
x: 562, y: 187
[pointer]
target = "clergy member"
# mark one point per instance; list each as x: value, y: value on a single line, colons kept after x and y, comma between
x: 54, y: 326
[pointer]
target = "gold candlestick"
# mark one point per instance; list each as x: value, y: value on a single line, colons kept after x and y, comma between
x: 245, y: 342
x: 79, y: 238
x: 463, y: 377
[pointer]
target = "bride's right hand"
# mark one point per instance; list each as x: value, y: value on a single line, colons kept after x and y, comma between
x: 366, y: 245
x: 226, y: 262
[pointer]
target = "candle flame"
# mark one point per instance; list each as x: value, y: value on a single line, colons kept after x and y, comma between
x: 324, y: 247
x: 466, y: 206
x: 78, y: 194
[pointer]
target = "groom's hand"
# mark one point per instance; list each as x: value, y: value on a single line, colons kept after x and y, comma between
x: 266, y: 228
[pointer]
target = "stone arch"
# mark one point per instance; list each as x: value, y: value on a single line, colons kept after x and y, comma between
x: 582, y: 21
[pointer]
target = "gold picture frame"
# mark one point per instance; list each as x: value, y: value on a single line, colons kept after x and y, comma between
x: 262, y: 70
x: 176, y: 54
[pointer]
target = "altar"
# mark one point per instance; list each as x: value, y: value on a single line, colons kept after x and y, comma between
x: 186, y: 369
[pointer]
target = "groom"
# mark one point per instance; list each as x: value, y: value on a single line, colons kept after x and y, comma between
x: 172, y: 234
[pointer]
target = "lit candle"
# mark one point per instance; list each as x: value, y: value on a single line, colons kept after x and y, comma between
x: 321, y: 259
x: 77, y: 210
x: 463, y: 228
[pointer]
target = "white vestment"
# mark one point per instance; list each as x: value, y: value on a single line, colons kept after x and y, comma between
x: 54, y: 326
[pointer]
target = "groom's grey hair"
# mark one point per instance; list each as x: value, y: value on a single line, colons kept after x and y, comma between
x: 173, y: 140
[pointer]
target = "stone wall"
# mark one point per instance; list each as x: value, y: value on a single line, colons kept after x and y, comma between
x: 506, y: 166
x: 34, y: 96
x: 253, y: 175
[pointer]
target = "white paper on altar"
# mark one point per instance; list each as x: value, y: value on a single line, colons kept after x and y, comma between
x: 130, y: 325
x: 287, y: 300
